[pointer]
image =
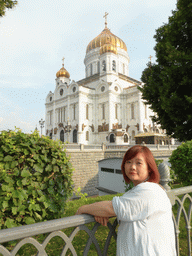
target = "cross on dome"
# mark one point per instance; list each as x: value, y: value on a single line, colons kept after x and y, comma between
x: 105, y: 16
x: 63, y: 61
x: 150, y: 57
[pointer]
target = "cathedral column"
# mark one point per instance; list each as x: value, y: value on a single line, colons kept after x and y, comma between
x: 111, y: 110
x: 140, y: 113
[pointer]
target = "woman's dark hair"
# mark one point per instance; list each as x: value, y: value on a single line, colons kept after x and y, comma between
x: 154, y: 175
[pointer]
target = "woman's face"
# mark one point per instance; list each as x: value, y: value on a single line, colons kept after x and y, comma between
x: 136, y: 169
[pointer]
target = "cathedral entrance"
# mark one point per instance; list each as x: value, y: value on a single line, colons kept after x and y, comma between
x: 126, y: 138
x: 75, y: 136
x: 62, y: 136
x: 112, y: 138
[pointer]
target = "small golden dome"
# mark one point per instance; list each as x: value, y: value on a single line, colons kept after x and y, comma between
x: 63, y: 72
x: 106, y: 37
x: 108, y: 48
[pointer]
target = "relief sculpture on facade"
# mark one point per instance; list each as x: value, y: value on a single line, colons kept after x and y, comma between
x: 117, y: 126
x: 103, y: 128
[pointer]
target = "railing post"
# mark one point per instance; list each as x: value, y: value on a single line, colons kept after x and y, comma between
x: 164, y: 175
x: 81, y: 147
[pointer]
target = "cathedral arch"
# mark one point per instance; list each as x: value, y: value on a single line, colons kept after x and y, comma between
x: 74, y: 136
x: 62, y: 135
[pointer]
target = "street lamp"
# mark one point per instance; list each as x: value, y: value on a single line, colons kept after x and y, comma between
x: 67, y: 129
x: 41, y: 123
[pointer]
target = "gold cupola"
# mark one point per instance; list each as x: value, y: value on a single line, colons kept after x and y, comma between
x: 108, y: 48
x: 63, y: 72
x: 107, y: 41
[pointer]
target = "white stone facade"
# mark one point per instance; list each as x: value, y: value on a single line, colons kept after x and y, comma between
x: 105, y: 107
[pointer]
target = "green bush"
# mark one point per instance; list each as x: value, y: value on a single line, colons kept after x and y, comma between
x: 181, y: 163
x: 35, y: 178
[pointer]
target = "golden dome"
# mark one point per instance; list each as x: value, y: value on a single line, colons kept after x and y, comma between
x: 108, y: 48
x: 63, y: 72
x: 106, y: 37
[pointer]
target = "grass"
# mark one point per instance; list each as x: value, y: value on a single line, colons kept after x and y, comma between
x: 56, y: 244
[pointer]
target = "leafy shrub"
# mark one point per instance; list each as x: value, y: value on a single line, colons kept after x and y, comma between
x: 181, y: 163
x: 35, y: 178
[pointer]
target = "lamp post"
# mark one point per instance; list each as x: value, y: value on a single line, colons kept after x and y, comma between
x: 67, y: 129
x: 41, y: 123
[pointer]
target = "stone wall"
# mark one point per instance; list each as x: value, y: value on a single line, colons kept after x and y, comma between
x: 85, y: 174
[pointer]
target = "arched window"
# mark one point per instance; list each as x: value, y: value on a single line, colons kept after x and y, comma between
x: 114, y: 65
x: 112, y: 138
x: 75, y: 136
x: 62, y: 136
x: 50, y: 135
x: 103, y: 111
x: 87, y: 111
x: 132, y: 111
x: 87, y: 135
x: 104, y: 65
x: 98, y: 67
x: 123, y: 68
x: 133, y: 135
x: 74, y: 114
x: 126, y: 138
x: 116, y: 113
x: 91, y: 69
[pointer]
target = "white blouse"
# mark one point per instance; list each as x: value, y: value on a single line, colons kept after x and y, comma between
x: 145, y: 222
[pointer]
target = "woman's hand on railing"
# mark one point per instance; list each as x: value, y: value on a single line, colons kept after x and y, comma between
x: 102, y: 220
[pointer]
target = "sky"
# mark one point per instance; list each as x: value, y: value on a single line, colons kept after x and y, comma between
x: 36, y: 35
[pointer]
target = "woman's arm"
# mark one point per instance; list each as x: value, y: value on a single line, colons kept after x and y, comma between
x: 100, y: 209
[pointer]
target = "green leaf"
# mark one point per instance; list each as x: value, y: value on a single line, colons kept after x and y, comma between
x: 8, y: 158
x: 14, y: 164
x: 51, y: 190
x: 29, y: 220
x: 5, y: 204
x: 14, y: 210
x: 38, y: 168
x: 25, y: 173
x: 25, y: 181
x: 55, y: 168
x: 10, y: 223
x: 38, y: 216
x: 48, y: 168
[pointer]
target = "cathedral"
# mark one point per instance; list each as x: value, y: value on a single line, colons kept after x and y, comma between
x: 105, y: 106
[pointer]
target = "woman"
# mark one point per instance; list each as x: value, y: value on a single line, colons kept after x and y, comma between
x: 144, y: 213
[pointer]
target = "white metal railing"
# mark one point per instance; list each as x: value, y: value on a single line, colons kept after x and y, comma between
x: 54, y: 228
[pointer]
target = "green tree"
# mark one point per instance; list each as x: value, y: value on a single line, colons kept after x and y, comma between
x: 6, y: 4
x: 35, y: 178
x: 168, y: 83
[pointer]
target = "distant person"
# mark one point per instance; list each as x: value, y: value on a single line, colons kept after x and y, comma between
x: 144, y: 213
